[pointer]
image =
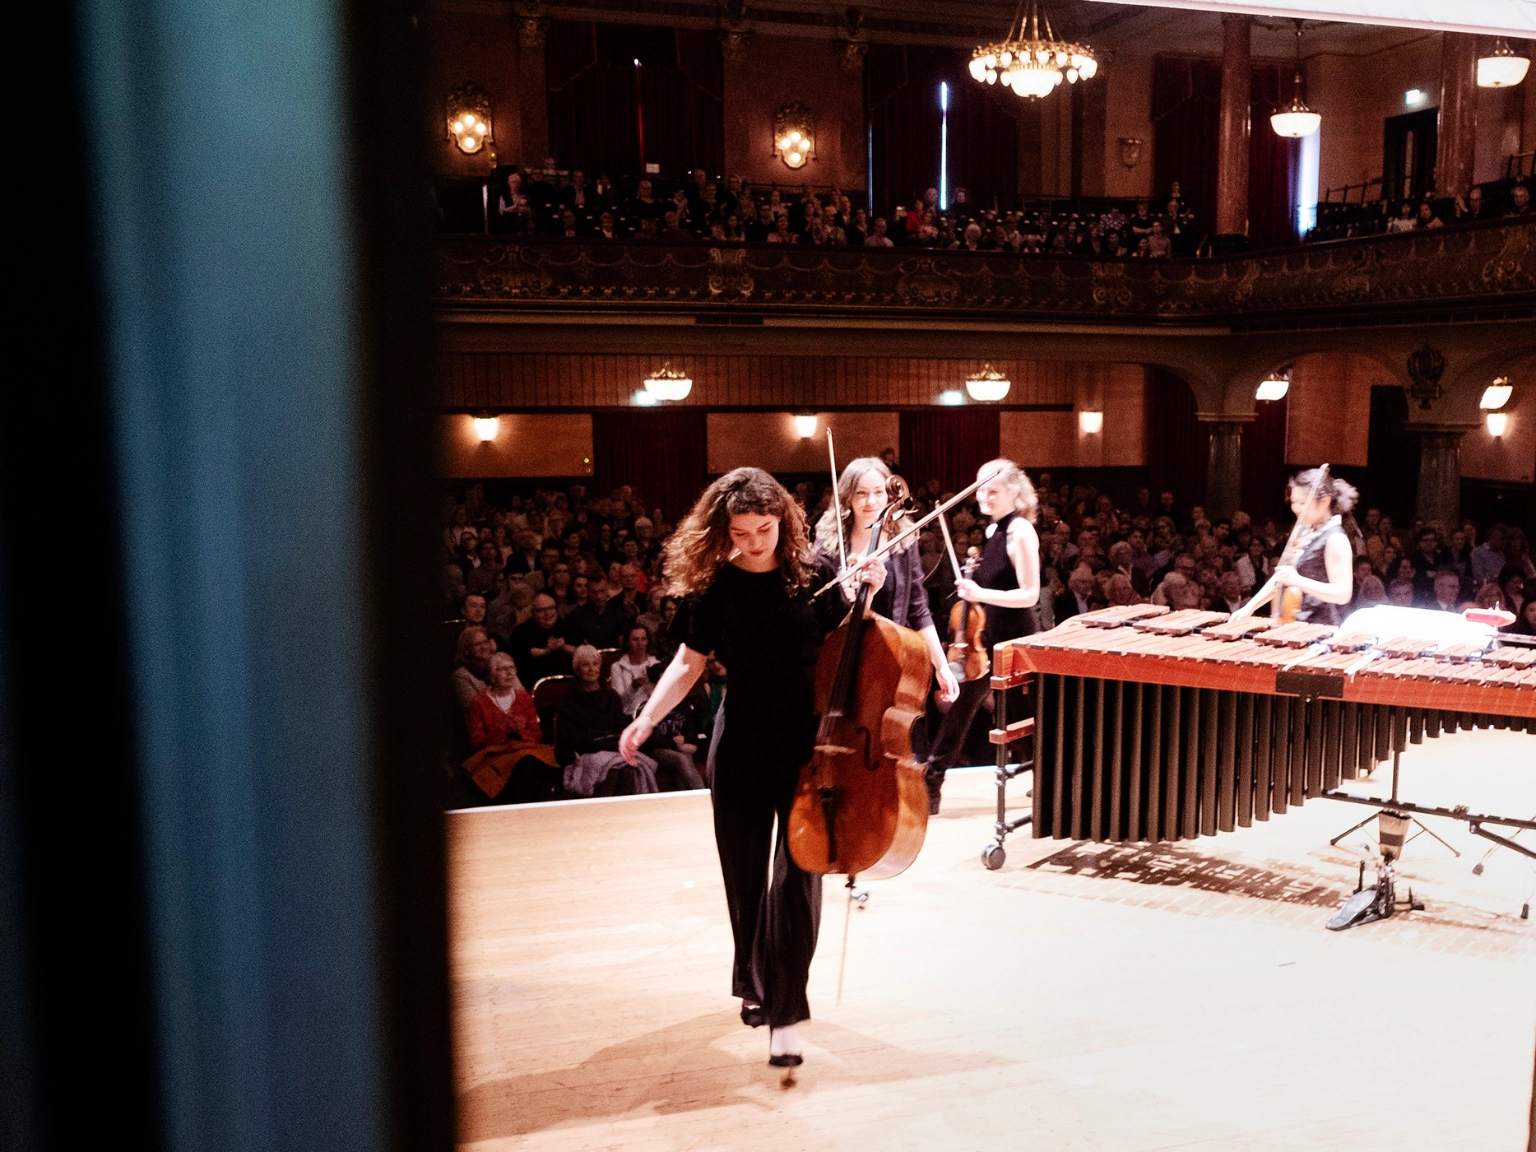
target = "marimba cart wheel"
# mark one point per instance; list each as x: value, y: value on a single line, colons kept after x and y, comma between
x: 992, y: 856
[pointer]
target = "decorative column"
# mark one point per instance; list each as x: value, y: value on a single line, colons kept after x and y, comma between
x: 533, y: 104
x: 1224, y: 465
x: 1232, y: 139
x: 1456, y: 139
x: 855, y: 153
x: 735, y: 35
x: 1439, y: 497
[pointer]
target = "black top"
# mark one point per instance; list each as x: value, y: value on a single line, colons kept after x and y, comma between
x: 531, y: 634
x: 768, y: 641
x: 605, y: 629
x: 902, y: 600
x: 1312, y: 564
x: 588, y: 722
x: 996, y: 571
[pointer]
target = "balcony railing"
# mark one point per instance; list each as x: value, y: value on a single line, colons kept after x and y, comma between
x: 1476, y: 272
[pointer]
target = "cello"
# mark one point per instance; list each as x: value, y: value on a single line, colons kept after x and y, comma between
x: 861, y: 806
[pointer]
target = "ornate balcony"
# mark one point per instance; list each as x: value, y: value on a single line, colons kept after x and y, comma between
x: 1450, y: 274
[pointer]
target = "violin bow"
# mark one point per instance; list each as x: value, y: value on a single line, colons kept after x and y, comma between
x: 916, y: 526
x: 837, y: 507
x: 954, y: 561
x: 1264, y: 594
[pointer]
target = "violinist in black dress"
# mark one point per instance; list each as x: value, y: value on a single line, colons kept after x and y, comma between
x: 741, y: 562
x: 1007, y: 584
x: 861, y: 499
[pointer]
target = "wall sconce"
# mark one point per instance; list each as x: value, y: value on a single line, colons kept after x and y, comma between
x: 951, y: 398
x: 669, y: 383
x: 794, y: 135
x: 1496, y: 395
x: 1090, y: 422
x: 1273, y: 387
x: 805, y: 425
x: 469, y: 118
x: 1498, y: 423
x: 1130, y: 151
x: 486, y: 428
x: 988, y: 384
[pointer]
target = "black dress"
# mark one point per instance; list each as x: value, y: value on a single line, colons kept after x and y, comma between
x: 1312, y: 564
x: 995, y: 570
x: 769, y: 641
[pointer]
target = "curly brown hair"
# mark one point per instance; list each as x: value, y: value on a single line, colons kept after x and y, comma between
x: 702, y: 540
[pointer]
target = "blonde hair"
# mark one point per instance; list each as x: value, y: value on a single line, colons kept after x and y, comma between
x: 853, y: 474
x: 1025, y: 502
x: 701, y: 543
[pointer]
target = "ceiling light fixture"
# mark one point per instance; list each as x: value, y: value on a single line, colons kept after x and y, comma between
x: 1273, y: 387
x: 989, y: 384
x: 668, y: 384
x: 1501, y: 68
x: 1297, y: 120
x: 1031, y: 63
x: 1496, y: 395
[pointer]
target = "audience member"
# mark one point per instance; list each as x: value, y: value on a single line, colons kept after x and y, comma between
x: 539, y: 644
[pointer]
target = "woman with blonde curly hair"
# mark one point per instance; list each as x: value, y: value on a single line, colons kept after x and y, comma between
x: 740, y: 562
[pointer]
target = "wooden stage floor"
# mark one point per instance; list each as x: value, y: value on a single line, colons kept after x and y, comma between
x: 1121, y: 998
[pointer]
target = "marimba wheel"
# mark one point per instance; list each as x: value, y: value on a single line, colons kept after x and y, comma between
x: 992, y: 856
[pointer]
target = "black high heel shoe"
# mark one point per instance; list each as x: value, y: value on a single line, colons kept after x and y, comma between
x: 752, y: 1015
x: 788, y: 1060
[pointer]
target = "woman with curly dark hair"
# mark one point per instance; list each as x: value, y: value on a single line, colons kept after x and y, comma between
x: 740, y: 562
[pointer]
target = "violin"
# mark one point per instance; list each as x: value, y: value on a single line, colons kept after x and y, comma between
x: 967, y: 622
x: 860, y: 806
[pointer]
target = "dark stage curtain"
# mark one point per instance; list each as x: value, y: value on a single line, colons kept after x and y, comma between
x: 595, y: 100
x: 1274, y: 162
x: 901, y: 96
x: 948, y: 444
x: 1392, y: 457
x: 1186, y: 111
x: 1186, y: 114
x: 660, y: 454
x: 1264, y: 460
x: 1178, y: 447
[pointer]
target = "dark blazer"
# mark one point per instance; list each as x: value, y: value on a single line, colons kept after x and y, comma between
x: 903, y: 600
x: 1066, y: 604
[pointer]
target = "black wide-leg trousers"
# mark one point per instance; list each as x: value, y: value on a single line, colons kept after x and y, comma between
x: 775, y: 905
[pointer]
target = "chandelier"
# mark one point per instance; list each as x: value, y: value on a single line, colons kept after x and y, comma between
x: 1297, y: 120
x: 1030, y: 63
x: 988, y: 384
x: 1501, y: 68
x: 668, y: 384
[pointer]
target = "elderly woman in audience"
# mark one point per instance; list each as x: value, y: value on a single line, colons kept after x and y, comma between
x: 511, y: 762
x: 472, y: 670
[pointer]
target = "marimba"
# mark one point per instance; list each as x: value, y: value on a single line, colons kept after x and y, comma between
x: 1159, y: 725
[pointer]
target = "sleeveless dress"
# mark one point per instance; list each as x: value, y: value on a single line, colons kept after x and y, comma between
x: 996, y: 571
x: 1312, y: 564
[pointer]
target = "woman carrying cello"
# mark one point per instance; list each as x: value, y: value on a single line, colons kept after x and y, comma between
x: 862, y: 497
x: 741, y: 562
x: 1007, y: 583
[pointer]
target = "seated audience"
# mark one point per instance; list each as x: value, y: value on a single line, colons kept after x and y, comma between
x: 511, y: 762
x: 539, y: 644
x: 630, y: 674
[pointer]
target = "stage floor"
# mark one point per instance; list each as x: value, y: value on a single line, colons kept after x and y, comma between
x: 1121, y: 998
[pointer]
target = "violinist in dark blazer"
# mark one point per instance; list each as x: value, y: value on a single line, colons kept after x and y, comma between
x: 862, y: 497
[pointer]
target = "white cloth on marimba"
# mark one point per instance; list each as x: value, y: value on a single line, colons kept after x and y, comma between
x: 1388, y: 622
